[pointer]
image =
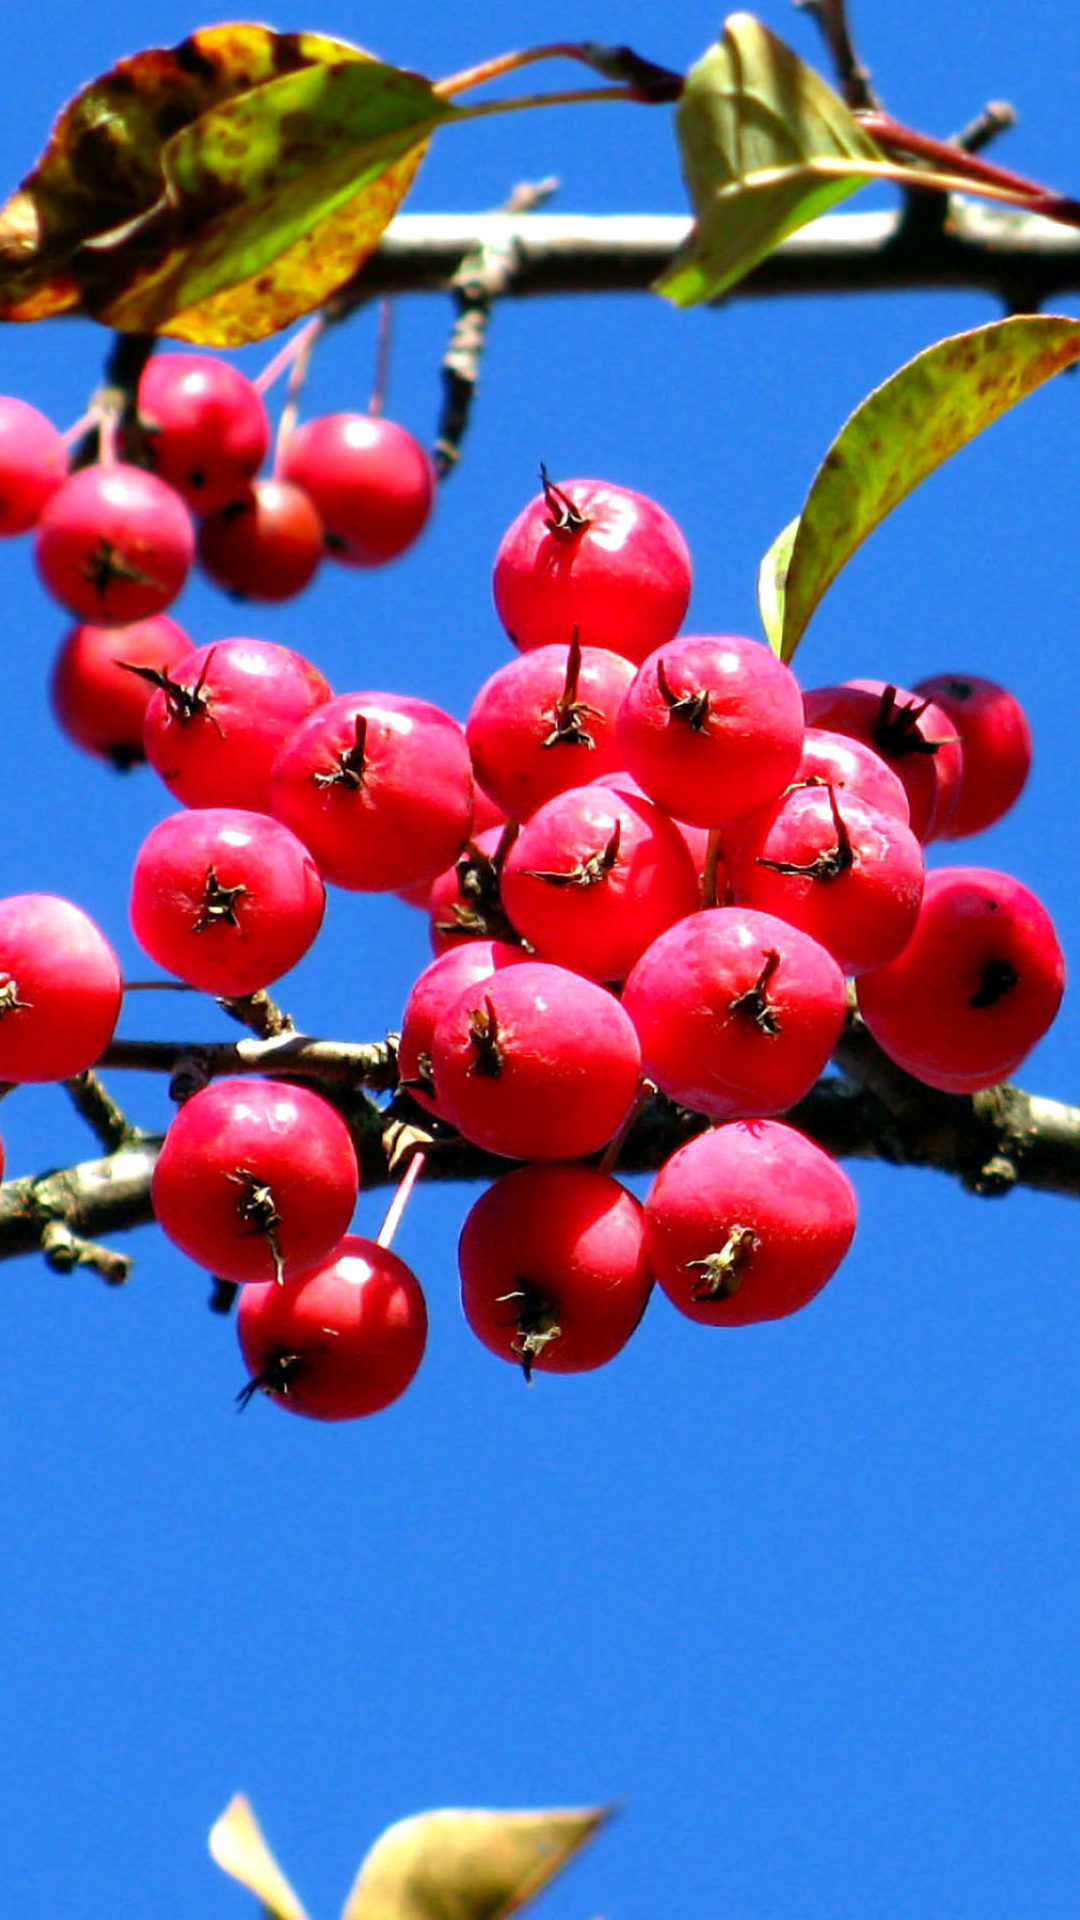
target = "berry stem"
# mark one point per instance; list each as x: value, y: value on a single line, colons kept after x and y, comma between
x: 303, y: 346
x: 645, y: 1093
x: 381, y: 375
x: 401, y: 1198
x: 713, y: 857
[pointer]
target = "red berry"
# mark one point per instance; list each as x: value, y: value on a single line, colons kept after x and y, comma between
x: 265, y: 545
x: 341, y: 1339
x: 917, y: 739
x: 978, y: 983
x: 114, y: 545
x: 712, y: 727
x: 841, y: 761
x: 698, y: 839
x: 840, y: 869
x: 536, y: 1063
x: 594, y: 876
x: 218, y: 720
x: 595, y: 559
x: 204, y: 427
x: 554, y: 1274
x: 996, y: 743
x: 464, y: 902
x: 60, y: 989
x: 737, y: 1012
x: 98, y: 703
x: 747, y: 1222
x: 433, y: 991
x: 544, y: 722
x: 379, y: 787
x: 371, y: 483
x: 33, y: 464
x: 255, y: 1179
x: 226, y: 899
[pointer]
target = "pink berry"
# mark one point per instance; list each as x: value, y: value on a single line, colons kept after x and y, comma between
x: 841, y: 761
x: 737, y: 1012
x: 594, y: 876
x: 712, y: 727
x: 33, y: 464
x: 536, y: 1063
x: 226, y: 899
x: 747, y: 1222
x: 264, y: 545
x: 464, y: 902
x: 699, y: 840
x: 219, y: 718
x: 442, y: 982
x: 114, y: 545
x: 204, y: 427
x: 60, y: 989
x: 554, y: 1274
x: 379, y: 787
x: 341, y: 1339
x: 371, y: 483
x: 842, y: 870
x: 596, y: 559
x: 913, y: 735
x: 255, y: 1179
x: 546, y: 721
x: 101, y: 705
x: 978, y: 983
x: 996, y: 743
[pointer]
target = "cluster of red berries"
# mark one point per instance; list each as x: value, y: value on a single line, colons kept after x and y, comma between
x: 651, y: 863
x: 114, y: 541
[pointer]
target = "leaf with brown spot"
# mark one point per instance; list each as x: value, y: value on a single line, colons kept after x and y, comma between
x: 102, y: 165
x: 331, y: 148
x: 466, y: 1863
x: 902, y: 431
x: 218, y: 189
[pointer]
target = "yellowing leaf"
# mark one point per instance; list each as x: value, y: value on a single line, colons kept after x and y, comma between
x: 901, y: 432
x: 765, y: 146
x: 305, y: 275
x: 251, y: 181
x: 237, y: 1846
x: 241, y: 159
x: 102, y: 165
x: 466, y: 1864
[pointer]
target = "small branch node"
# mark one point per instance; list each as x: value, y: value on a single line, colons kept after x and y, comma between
x: 65, y: 1250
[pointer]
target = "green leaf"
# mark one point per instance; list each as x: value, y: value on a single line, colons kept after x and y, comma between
x: 765, y: 147
x: 217, y: 189
x: 901, y: 432
x: 238, y: 1848
x: 311, y: 166
x: 466, y: 1864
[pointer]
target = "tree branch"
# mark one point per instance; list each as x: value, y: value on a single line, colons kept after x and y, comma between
x: 991, y: 1141
x: 1020, y: 259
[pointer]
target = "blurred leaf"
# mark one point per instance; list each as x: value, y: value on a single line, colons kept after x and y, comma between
x: 765, y: 146
x: 772, y: 579
x: 102, y: 165
x: 466, y: 1864
x: 901, y: 432
x: 217, y: 189
x: 237, y: 1846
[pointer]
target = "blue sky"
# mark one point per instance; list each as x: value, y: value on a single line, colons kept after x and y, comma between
x: 799, y: 1597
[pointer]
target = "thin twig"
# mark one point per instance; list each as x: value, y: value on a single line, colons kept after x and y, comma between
x: 484, y: 275
x: 996, y: 117
x: 111, y: 1127
x: 830, y: 16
